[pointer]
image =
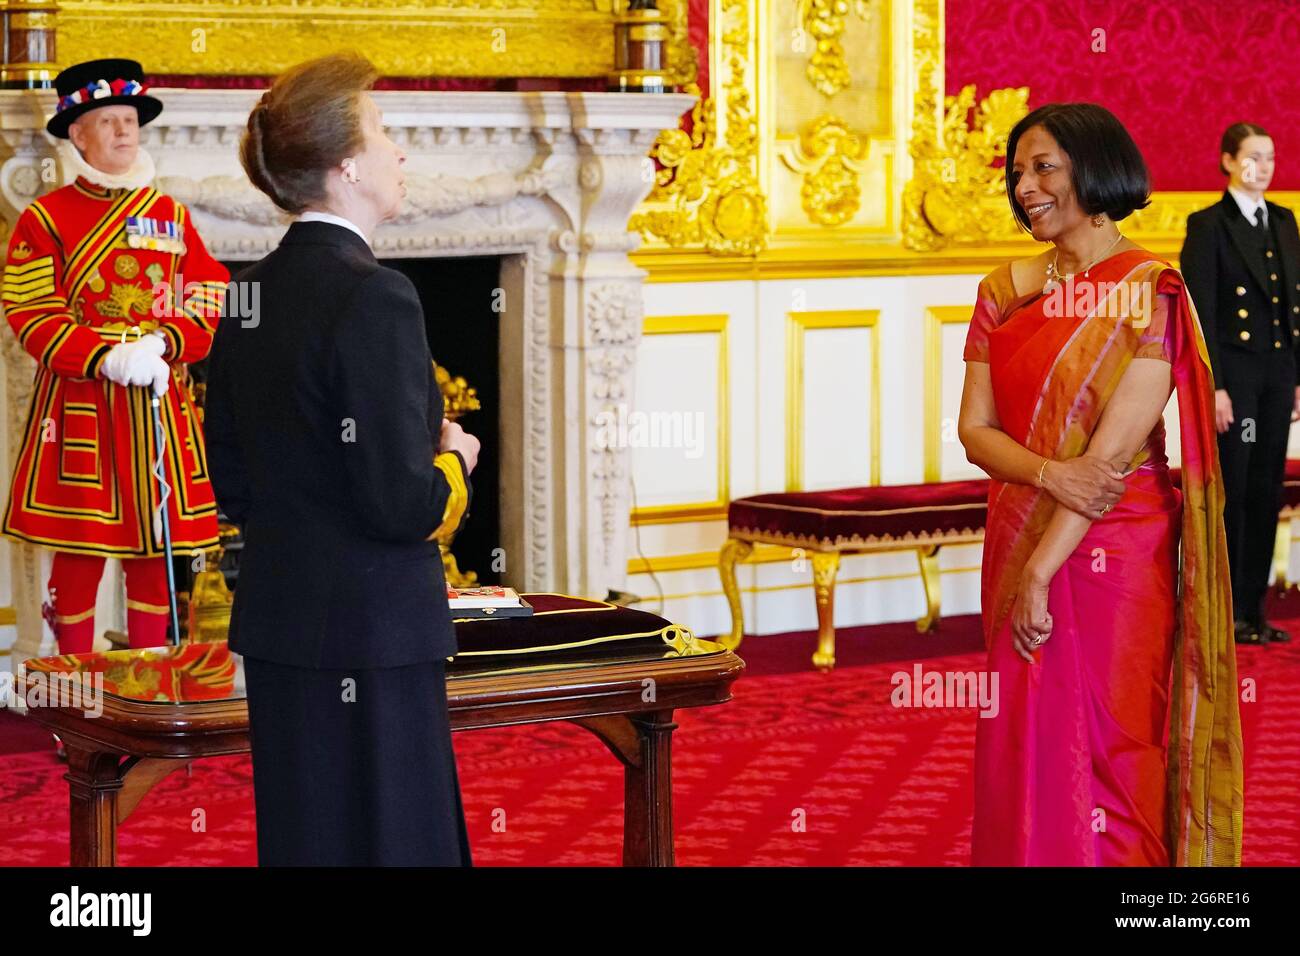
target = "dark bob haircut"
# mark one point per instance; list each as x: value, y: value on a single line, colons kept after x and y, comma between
x: 1108, y: 174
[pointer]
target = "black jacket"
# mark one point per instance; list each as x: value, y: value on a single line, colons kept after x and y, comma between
x: 1225, y: 278
x: 322, y: 421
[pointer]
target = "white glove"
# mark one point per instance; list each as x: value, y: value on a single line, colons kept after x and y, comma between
x: 138, y: 362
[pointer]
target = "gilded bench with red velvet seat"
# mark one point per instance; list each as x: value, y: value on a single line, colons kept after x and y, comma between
x: 827, y: 524
x: 1290, y: 509
x: 890, y: 518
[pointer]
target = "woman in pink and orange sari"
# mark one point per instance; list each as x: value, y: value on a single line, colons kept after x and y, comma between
x: 1106, y: 597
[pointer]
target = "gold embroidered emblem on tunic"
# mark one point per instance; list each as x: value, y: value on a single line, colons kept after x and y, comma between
x: 123, y: 300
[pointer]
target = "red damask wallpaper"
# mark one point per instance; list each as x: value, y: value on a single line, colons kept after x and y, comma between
x: 1176, y: 72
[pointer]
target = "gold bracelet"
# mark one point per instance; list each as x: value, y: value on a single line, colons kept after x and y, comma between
x: 1041, y: 469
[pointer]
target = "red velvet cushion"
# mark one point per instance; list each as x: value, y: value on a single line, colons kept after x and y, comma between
x: 560, y: 622
x: 849, y: 517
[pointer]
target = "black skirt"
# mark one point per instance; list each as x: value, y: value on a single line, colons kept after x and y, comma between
x: 354, y: 767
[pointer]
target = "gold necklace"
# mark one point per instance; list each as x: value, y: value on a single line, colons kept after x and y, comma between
x: 1056, y: 277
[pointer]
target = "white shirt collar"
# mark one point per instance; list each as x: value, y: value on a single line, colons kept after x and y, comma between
x: 1248, y: 204
x: 311, y: 215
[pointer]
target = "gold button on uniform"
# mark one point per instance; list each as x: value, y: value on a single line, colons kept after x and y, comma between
x: 1243, y: 313
x: 1276, y: 322
x: 1276, y: 299
x: 1241, y: 290
x: 1269, y: 253
x: 1273, y: 276
x: 1277, y: 345
x: 1245, y: 336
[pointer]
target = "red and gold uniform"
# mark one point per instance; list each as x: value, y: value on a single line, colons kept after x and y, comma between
x: 75, y: 283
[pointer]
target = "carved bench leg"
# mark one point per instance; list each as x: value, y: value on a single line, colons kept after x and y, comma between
x: 825, y: 565
x: 734, y: 550
x: 929, y: 560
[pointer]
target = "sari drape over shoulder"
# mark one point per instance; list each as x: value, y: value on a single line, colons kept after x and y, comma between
x: 1121, y: 744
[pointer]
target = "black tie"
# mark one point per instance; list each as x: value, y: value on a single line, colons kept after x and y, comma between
x: 1259, y: 221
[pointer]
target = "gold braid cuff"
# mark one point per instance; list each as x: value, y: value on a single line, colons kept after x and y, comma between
x: 449, y: 464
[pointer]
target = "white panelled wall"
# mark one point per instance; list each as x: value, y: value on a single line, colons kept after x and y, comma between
x: 749, y: 361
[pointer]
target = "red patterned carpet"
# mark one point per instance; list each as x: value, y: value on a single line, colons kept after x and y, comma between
x: 873, y: 785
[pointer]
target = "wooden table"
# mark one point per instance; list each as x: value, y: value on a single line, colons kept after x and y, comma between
x: 164, y: 707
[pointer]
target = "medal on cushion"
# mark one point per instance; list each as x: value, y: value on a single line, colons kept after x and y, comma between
x: 160, y: 235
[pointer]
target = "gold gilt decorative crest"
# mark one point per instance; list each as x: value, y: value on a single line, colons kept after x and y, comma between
x: 123, y: 300
x: 830, y: 156
x: 707, y: 192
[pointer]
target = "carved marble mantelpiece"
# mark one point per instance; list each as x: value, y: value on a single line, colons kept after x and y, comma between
x: 548, y: 181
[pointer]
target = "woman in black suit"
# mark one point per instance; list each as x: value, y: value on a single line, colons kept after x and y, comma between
x: 324, y: 427
x: 1241, y: 260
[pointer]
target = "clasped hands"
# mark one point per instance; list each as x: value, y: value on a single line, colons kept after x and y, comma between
x: 1089, y: 486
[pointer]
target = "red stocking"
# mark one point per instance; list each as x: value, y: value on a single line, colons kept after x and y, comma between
x: 147, y: 607
x: 74, y: 581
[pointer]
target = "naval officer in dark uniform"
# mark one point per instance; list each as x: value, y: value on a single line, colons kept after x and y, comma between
x: 1241, y: 261
x: 327, y: 445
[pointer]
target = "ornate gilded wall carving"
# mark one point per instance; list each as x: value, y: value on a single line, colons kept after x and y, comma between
x: 830, y: 118
x: 785, y: 101
x: 956, y: 193
x: 707, y: 191
x: 824, y: 23
x: 831, y: 158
